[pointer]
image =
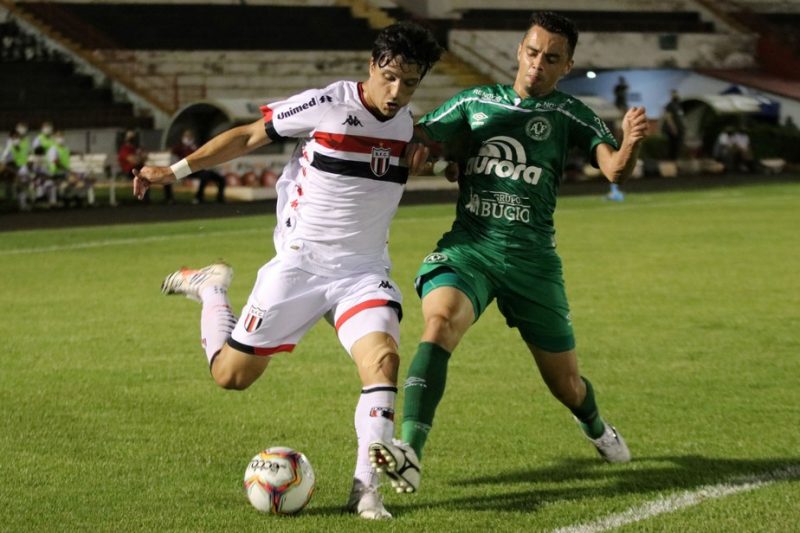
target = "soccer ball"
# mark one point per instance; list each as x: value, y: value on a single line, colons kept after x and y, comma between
x: 279, y: 480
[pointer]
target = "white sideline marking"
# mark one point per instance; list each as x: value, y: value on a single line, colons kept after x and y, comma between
x: 120, y: 242
x: 267, y: 230
x: 668, y: 504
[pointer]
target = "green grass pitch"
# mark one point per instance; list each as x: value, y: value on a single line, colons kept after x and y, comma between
x: 687, y: 314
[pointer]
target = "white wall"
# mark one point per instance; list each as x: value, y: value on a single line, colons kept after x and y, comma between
x: 495, y: 51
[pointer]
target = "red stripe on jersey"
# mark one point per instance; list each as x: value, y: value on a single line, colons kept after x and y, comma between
x: 358, y: 143
x: 276, y: 349
x: 369, y: 304
x: 266, y: 112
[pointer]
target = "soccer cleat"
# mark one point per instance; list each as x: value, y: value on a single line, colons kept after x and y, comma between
x: 191, y: 282
x: 611, y: 446
x: 399, y: 462
x: 366, y: 502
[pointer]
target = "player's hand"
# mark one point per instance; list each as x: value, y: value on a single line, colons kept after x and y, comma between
x: 634, y: 125
x: 142, y: 179
x: 448, y: 169
x: 416, y: 158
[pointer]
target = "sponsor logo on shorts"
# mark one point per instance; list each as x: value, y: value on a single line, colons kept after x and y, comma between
x: 379, y: 163
x: 385, y: 284
x: 436, y: 258
x: 503, y: 157
x: 501, y: 205
x: 384, y: 412
x: 538, y: 128
x: 254, y: 318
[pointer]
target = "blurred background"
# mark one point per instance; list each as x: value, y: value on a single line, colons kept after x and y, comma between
x: 92, y: 89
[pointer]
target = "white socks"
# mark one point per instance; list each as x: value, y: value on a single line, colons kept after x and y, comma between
x: 374, y: 419
x: 216, y: 320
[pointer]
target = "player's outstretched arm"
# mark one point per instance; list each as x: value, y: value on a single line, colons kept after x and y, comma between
x: 224, y: 147
x: 617, y: 165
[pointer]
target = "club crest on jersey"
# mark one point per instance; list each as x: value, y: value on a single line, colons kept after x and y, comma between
x: 254, y: 318
x: 379, y: 164
x: 538, y: 128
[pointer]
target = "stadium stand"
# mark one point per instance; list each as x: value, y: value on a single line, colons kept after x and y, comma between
x: 226, y: 51
x: 38, y: 82
x: 592, y: 21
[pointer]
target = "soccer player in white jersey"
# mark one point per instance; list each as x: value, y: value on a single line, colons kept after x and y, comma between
x: 337, y: 197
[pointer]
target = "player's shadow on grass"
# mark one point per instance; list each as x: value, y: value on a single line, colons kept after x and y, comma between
x: 589, y: 478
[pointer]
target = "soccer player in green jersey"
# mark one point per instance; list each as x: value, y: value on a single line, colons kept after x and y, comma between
x: 514, y: 142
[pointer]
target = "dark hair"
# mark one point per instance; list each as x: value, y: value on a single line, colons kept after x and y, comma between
x: 555, y: 23
x: 407, y: 41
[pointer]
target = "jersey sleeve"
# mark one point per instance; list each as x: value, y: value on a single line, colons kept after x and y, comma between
x: 297, y: 115
x: 448, y: 120
x: 588, y: 131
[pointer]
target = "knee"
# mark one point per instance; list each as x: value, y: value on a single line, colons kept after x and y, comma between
x: 230, y: 379
x: 380, y: 362
x: 442, y: 328
x: 568, y: 389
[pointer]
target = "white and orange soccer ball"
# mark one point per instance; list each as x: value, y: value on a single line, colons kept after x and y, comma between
x: 279, y: 480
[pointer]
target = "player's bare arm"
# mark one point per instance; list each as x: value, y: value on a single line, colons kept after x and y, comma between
x: 228, y: 145
x: 617, y: 165
x: 417, y: 158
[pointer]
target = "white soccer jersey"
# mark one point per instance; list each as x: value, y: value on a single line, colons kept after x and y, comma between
x: 342, y: 188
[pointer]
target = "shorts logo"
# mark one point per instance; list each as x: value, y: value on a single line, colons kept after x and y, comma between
x: 538, y: 128
x: 436, y: 258
x: 384, y: 412
x: 385, y: 285
x: 254, y: 318
x: 379, y: 164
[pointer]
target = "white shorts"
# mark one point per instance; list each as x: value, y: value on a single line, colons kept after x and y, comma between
x: 286, y: 302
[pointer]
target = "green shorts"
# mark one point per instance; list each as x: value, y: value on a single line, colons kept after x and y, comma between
x: 530, y: 294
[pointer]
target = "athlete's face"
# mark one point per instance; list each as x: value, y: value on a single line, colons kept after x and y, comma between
x: 543, y: 60
x: 391, y: 86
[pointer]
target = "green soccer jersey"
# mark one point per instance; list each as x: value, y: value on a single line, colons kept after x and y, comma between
x: 513, y: 160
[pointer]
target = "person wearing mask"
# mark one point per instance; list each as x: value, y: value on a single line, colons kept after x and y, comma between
x: 182, y: 150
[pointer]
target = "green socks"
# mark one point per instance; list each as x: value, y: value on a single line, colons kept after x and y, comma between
x: 423, y: 389
x: 588, y: 415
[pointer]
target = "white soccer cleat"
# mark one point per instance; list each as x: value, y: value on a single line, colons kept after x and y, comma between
x: 399, y: 462
x: 366, y: 502
x: 611, y: 446
x: 191, y: 282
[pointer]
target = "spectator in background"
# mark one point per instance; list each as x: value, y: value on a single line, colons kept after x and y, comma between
x: 58, y: 157
x: 131, y: 157
x: 732, y: 149
x: 45, y: 136
x: 621, y: 94
x: 188, y: 145
x: 35, y: 181
x: 743, y: 152
x: 15, y: 155
x: 674, y: 125
x: 621, y: 103
x: 723, y: 148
